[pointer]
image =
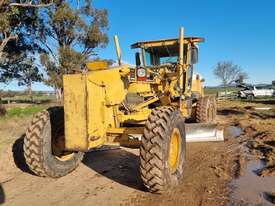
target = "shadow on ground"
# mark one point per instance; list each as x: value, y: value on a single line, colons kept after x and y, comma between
x: 270, y: 197
x: 270, y: 101
x: 231, y: 111
x: 2, y: 195
x: 268, y: 115
x: 118, y: 165
x: 18, y: 155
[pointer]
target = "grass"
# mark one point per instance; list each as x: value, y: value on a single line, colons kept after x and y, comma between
x: 23, y: 112
x: 214, y: 91
x: 26, y: 98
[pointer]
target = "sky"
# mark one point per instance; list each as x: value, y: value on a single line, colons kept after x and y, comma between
x: 241, y: 31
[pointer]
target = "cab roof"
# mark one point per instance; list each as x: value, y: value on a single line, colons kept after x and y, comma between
x: 165, y: 42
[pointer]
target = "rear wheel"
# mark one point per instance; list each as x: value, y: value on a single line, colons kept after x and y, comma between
x: 44, y: 145
x: 206, y: 109
x: 162, y: 152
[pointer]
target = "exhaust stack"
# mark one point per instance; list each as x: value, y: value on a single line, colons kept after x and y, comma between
x: 118, y: 50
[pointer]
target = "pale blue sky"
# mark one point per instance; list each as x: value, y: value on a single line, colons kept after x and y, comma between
x: 239, y: 30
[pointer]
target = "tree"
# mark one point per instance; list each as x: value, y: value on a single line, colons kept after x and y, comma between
x: 18, y: 29
x: 25, y: 71
x: 228, y: 73
x: 9, y: 21
x: 14, y: 21
x: 13, y: 16
x: 28, y: 74
x: 70, y: 36
x: 17, y: 18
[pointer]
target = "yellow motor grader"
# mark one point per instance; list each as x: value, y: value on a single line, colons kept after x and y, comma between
x: 107, y: 105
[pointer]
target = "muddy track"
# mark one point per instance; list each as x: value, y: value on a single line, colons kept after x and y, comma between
x: 112, y: 177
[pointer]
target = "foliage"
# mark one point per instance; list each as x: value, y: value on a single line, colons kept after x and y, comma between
x: 25, y: 71
x: 18, y: 28
x: 70, y: 36
x: 228, y: 73
x: 66, y: 35
x: 14, y: 15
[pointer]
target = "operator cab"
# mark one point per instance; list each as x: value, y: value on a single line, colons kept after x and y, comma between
x: 157, y: 54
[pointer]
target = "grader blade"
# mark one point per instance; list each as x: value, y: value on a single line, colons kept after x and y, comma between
x: 203, y: 132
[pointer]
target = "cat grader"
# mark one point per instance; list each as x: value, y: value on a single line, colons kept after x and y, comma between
x: 99, y: 109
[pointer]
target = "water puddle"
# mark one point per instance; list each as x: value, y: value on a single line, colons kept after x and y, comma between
x: 234, y: 131
x: 252, y: 189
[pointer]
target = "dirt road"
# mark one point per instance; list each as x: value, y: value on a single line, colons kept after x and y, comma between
x: 111, y: 177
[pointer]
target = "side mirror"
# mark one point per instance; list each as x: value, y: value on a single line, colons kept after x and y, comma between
x: 194, y: 55
x: 138, y: 62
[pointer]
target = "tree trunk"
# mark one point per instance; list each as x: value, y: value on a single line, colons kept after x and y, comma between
x: 30, y: 90
x: 3, y: 110
x: 59, y: 95
x: 225, y: 89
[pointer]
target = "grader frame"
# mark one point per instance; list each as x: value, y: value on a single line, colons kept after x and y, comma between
x: 92, y: 100
x: 97, y: 111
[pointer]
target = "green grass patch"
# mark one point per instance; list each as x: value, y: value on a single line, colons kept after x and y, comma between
x: 23, y: 112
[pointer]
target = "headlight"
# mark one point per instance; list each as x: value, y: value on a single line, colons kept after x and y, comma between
x: 141, y: 72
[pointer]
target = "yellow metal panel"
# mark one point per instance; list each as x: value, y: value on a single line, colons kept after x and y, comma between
x: 111, y: 81
x: 75, y: 112
x: 106, y: 90
x: 96, y: 114
x: 197, y: 85
x: 97, y: 65
x: 139, y: 87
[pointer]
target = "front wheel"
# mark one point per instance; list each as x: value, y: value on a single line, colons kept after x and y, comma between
x: 44, y: 145
x: 162, y: 152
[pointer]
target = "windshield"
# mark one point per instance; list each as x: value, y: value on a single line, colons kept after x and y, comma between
x: 153, y: 58
x: 172, y: 59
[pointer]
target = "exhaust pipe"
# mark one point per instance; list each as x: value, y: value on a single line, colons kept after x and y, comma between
x: 203, y: 132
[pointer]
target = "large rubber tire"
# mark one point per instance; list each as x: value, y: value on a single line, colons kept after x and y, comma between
x: 155, y: 149
x: 206, y: 109
x: 46, y: 129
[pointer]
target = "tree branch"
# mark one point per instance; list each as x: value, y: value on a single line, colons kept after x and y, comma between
x: 30, y: 4
x: 5, y: 41
x: 50, y: 50
x: 2, y: 2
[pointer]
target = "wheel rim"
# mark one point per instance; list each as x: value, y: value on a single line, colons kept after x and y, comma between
x: 65, y: 157
x: 58, y: 144
x: 174, y: 151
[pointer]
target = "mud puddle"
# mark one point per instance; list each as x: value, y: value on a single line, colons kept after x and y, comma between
x: 234, y: 131
x: 252, y: 189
